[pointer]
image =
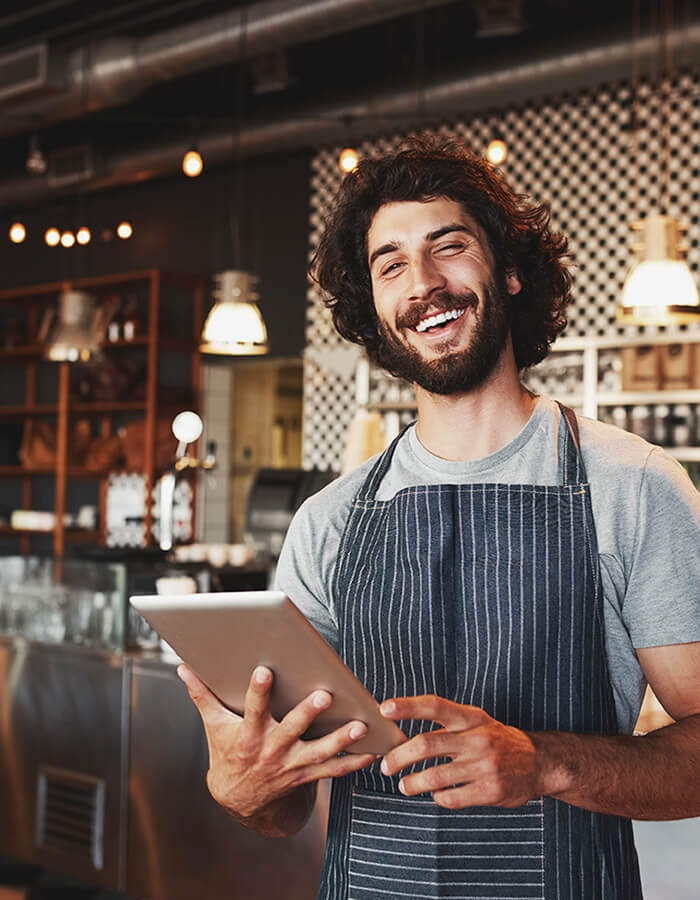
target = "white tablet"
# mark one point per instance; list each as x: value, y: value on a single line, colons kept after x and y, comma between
x: 224, y: 636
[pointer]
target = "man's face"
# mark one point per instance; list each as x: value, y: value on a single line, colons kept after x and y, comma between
x: 444, y: 320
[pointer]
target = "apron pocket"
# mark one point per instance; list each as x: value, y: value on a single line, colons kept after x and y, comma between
x: 409, y: 847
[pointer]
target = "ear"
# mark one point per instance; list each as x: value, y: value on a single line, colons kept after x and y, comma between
x: 513, y: 284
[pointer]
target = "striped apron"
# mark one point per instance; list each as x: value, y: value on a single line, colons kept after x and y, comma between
x: 489, y: 595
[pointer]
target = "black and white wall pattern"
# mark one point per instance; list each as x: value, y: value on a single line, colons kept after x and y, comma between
x: 582, y: 154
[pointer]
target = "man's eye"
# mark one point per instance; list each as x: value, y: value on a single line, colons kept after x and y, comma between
x: 392, y: 267
x: 450, y: 248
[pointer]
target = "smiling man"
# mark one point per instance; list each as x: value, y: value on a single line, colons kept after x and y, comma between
x: 506, y: 577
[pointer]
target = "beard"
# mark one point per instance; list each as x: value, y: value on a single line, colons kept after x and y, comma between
x: 452, y: 372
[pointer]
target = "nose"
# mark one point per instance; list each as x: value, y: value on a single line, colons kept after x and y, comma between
x: 426, y: 278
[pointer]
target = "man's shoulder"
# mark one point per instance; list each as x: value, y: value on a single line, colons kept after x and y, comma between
x: 334, y: 500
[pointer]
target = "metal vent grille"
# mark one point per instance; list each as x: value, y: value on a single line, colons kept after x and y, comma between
x: 23, y: 72
x: 70, y: 814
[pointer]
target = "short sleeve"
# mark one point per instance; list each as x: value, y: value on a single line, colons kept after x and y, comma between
x: 662, y: 598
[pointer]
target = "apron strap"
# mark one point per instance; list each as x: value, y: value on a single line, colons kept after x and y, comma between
x: 380, y: 468
x: 571, y: 467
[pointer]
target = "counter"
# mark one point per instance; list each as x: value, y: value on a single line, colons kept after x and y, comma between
x: 102, y: 772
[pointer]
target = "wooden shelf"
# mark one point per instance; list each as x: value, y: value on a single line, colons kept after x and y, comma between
x: 116, y: 406
x: 39, y: 409
x: 21, y: 352
x: 8, y: 529
x: 157, y: 400
x: 75, y: 534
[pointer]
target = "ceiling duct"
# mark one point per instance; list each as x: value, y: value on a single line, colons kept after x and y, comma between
x: 116, y: 70
x: 381, y: 113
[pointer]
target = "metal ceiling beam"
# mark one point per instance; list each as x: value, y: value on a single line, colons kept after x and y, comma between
x: 383, y: 113
x: 112, y: 72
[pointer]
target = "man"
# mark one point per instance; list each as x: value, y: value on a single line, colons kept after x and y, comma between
x: 505, y: 578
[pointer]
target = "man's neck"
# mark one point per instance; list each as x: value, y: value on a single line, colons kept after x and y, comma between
x: 474, y: 424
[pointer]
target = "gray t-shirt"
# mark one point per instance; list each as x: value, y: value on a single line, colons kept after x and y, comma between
x: 647, y: 518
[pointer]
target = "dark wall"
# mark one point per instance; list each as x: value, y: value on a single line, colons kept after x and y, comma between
x: 184, y: 224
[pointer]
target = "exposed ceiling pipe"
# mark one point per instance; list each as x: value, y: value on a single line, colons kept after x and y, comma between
x: 112, y: 72
x: 383, y: 113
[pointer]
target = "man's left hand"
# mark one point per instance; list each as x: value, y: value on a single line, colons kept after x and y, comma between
x: 491, y: 764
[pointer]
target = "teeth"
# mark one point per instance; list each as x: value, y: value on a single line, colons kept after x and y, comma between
x: 438, y: 319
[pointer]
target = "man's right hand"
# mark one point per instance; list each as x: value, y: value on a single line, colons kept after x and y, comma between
x: 258, y: 766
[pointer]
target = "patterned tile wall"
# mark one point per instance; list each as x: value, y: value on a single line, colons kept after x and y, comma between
x: 582, y: 153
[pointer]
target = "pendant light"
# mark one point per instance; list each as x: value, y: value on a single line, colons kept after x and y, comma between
x: 659, y: 288
x: 77, y: 332
x: 235, y: 326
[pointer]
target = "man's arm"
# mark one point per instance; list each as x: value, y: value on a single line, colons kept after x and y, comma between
x: 653, y: 776
x: 260, y: 770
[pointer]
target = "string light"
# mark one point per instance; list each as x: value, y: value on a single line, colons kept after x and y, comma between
x: 52, y: 237
x: 348, y: 160
x: 17, y: 233
x: 83, y: 236
x: 124, y: 230
x: 192, y: 164
x: 496, y: 152
x: 67, y: 239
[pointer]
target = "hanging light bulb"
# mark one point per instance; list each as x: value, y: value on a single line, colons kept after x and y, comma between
x: 67, y: 239
x: 348, y: 159
x: 659, y: 289
x: 36, y: 161
x: 235, y: 326
x: 124, y: 230
x: 83, y: 236
x: 52, y: 237
x: 496, y: 152
x: 192, y: 163
x: 17, y: 232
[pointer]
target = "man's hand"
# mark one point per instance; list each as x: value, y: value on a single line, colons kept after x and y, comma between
x: 491, y: 764
x: 256, y: 764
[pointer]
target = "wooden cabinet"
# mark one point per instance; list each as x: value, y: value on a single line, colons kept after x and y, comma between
x: 166, y: 362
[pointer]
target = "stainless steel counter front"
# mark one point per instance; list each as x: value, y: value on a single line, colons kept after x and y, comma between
x: 102, y: 773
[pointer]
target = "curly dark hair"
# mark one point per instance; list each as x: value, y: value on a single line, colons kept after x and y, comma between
x: 516, y: 228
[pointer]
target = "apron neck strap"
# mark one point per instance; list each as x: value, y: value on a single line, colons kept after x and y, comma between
x: 570, y: 461
x: 568, y: 447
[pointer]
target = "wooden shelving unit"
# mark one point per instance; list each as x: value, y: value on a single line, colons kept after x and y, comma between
x: 155, y: 340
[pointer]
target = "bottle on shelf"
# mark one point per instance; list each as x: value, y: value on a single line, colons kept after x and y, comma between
x: 131, y: 320
x: 114, y: 329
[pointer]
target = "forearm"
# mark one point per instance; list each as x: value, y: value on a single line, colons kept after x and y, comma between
x: 282, y: 817
x: 653, y: 776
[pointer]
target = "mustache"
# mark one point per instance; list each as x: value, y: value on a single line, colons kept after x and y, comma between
x: 442, y: 302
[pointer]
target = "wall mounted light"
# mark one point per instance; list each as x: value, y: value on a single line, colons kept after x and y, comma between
x: 83, y: 236
x: 67, y: 239
x: 235, y: 326
x: 52, y: 237
x: 17, y: 232
x: 192, y: 163
x: 124, y: 230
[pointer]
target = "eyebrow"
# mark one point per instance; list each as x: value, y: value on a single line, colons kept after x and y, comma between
x: 431, y: 236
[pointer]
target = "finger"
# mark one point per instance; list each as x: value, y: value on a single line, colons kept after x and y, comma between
x: 454, y: 716
x: 297, y: 721
x: 423, y: 746
x: 481, y: 792
x: 439, y: 778
x: 319, y: 750
x: 256, y: 705
x: 338, y: 766
x: 211, y: 709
